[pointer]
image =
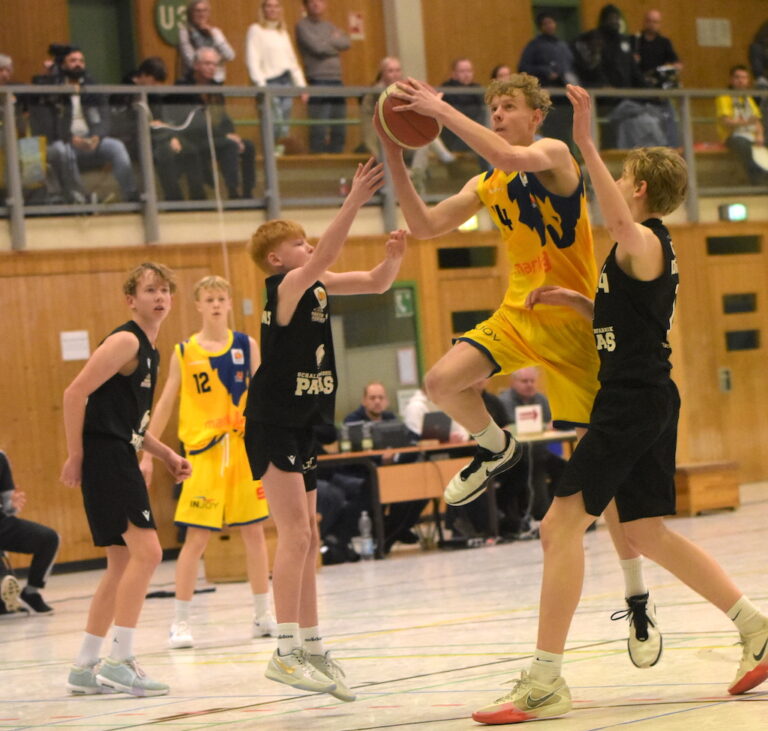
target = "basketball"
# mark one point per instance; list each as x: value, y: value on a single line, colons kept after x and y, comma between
x: 408, y: 129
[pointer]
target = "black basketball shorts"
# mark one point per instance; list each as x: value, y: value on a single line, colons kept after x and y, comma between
x: 114, y: 491
x: 628, y: 453
x: 289, y: 449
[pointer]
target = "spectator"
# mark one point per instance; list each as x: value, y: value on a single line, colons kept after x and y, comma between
x: 24, y: 536
x: 272, y: 61
x: 77, y: 129
x: 502, y: 72
x: 739, y: 123
x: 320, y: 44
x: 470, y: 104
x: 758, y: 56
x: 550, y: 60
x: 391, y: 71
x: 660, y: 66
x: 199, y: 33
x: 655, y: 54
x: 172, y: 158
x: 399, y: 517
x: 536, y: 476
x: 232, y: 151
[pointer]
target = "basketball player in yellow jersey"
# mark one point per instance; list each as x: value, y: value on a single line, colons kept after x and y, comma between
x: 535, y: 195
x: 212, y: 371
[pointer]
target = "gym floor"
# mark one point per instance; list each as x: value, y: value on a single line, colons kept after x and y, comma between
x: 425, y: 639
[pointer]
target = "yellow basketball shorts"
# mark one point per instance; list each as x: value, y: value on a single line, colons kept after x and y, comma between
x: 221, y: 489
x: 559, y: 342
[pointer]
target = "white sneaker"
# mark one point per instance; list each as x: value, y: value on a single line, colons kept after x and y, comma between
x: 294, y: 669
x: 527, y: 701
x: 644, y: 643
x: 128, y: 677
x: 264, y: 626
x: 753, y: 668
x: 328, y: 666
x: 470, y: 482
x: 181, y: 636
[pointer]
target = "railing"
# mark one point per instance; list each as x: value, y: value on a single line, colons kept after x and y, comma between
x: 274, y: 193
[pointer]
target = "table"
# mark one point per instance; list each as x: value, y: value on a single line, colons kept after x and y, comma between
x: 425, y: 479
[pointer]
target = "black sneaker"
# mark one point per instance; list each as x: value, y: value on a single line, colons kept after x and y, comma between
x: 33, y: 602
x: 471, y: 482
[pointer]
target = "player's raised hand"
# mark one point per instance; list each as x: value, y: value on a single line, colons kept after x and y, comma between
x: 395, y: 245
x: 582, y: 113
x: 368, y: 178
x: 419, y: 97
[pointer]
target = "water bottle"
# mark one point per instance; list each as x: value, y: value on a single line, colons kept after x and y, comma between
x: 366, y: 537
x: 343, y: 187
x: 345, y: 443
x: 367, y: 439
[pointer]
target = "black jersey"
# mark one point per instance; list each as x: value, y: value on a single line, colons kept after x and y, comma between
x: 633, y: 318
x: 120, y: 406
x: 295, y: 385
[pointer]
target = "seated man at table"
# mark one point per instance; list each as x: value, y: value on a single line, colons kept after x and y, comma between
x: 400, y: 517
x: 547, y: 465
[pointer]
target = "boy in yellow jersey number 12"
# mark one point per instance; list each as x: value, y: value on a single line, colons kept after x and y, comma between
x: 212, y: 370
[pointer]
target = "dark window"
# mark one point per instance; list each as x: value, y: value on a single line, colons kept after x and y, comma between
x: 466, y: 257
x: 735, y: 303
x: 718, y: 245
x: 742, y: 340
x: 467, y: 319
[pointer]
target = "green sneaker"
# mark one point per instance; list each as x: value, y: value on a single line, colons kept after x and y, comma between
x: 328, y: 666
x: 294, y: 669
x: 82, y: 681
x: 128, y: 677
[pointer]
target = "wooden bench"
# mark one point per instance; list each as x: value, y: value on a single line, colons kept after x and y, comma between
x: 707, y: 486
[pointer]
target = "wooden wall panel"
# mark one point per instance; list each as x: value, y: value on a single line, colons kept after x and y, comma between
x: 26, y: 31
x: 488, y: 33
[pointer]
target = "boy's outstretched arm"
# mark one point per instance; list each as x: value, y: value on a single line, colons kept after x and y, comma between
x: 634, y: 240
x: 367, y: 180
x: 377, y: 280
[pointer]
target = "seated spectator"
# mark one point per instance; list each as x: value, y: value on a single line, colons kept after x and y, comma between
x: 550, y: 60
x: 541, y: 467
x: 501, y: 72
x: 470, y: 104
x: 198, y: 32
x: 24, y: 536
x: 660, y: 68
x: 399, y: 518
x: 172, y: 158
x: 739, y: 123
x: 272, y: 61
x: 391, y: 71
x: 236, y: 156
x: 77, y: 129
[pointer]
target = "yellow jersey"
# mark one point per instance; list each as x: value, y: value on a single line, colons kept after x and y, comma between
x: 214, y: 387
x: 547, y: 236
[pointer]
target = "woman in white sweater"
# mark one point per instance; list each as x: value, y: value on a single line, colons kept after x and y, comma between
x: 272, y: 61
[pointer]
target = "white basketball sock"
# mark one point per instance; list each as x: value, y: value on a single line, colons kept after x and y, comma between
x: 746, y: 616
x: 90, y: 649
x: 492, y: 438
x: 634, y: 584
x: 287, y: 637
x: 546, y: 666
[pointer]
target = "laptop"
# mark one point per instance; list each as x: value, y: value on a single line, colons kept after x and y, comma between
x: 390, y: 434
x: 436, y: 425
